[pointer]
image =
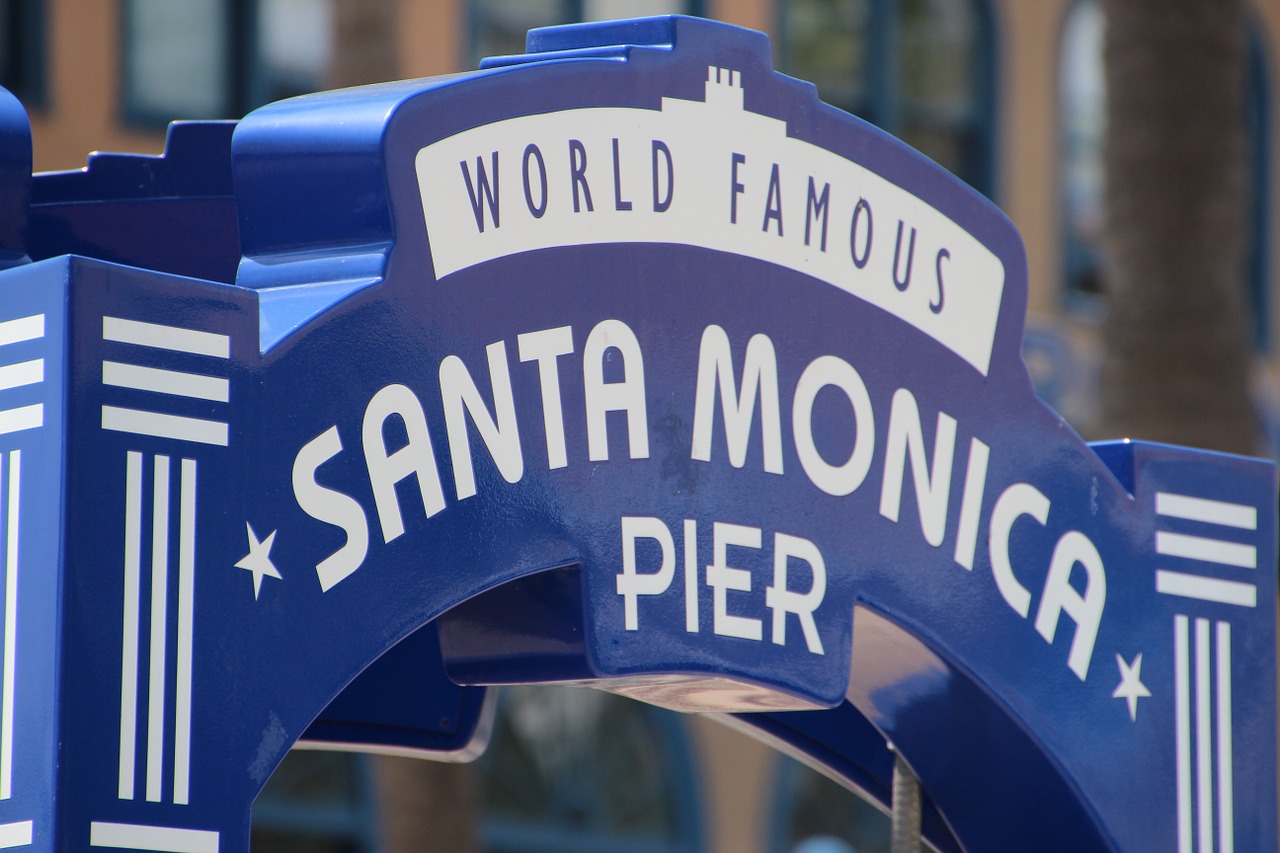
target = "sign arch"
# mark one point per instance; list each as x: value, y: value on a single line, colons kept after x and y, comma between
x: 626, y: 362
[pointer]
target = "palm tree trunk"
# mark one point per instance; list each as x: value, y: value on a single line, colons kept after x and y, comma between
x: 426, y: 806
x: 1177, y: 352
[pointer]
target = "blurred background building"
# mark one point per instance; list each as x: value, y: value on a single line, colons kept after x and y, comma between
x: 1009, y: 95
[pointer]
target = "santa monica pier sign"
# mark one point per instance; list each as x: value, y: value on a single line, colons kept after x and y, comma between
x: 625, y: 363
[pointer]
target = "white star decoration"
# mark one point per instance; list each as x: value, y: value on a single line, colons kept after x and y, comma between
x: 1131, y: 688
x: 258, y: 560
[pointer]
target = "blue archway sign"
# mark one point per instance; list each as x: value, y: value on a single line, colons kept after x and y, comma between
x: 624, y: 363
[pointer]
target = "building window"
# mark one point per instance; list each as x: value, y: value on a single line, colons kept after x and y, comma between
x: 22, y: 50
x: 176, y: 59
x: 1082, y: 105
x: 923, y: 70
x: 318, y: 802
x: 1082, y: 99
x: 585, y: 770
x: 815, y: 815
x: 213, y: 59
x: 294, y: 48
x: 498, y: 27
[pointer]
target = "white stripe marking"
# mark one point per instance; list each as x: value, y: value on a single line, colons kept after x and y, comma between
x: 162, y: 839
x: 20, y: 834
x: 24, y: 417
x: 129, y: 654
x: 975, y: 483
x: 1204, y: 739
x: 195, y: 385
x: 691, y: 575
x: 1208, y: 550
x: 1182, y: 691
x: 159, y: 621
x: 1240, y: 516
x: 1226, y: 785
x: 21, y: 374
x: 10, y: 625
x: 1215, y: 590
x: 164, y: 426
x: 173, y: 338
x: 22, y: 329
x: 186, y: 630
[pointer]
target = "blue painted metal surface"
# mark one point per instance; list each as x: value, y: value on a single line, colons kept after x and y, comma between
x: 627, y: 363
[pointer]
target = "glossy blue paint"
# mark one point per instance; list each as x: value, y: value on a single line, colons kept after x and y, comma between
x: 421, y: 407
x: 141, y: 210
x: 15, y: 180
